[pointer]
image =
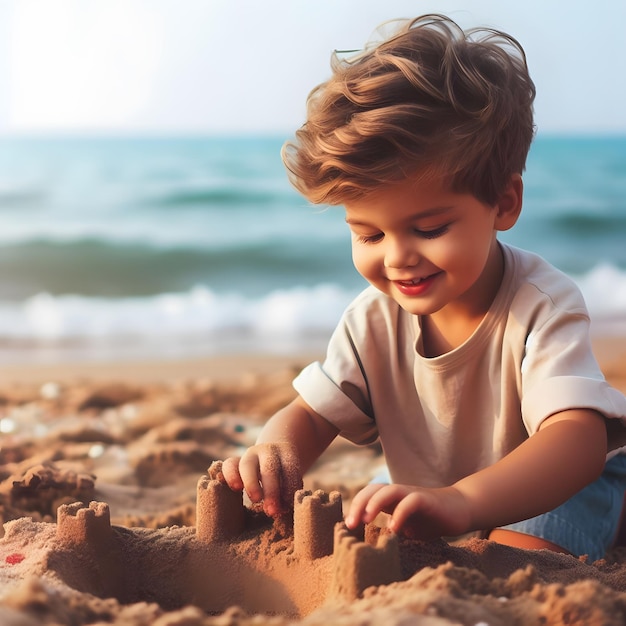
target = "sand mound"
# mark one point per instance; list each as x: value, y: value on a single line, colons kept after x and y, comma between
x: 108, y: 518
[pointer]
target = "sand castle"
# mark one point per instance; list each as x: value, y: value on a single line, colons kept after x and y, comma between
x: 234, y: 556
x: 360, y: 560
x: 236, y: 566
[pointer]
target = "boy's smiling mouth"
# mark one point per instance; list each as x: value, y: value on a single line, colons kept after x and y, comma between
x: 415, y: 286
x: 413, y: 281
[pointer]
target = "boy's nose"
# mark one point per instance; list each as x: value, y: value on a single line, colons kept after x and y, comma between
x: 400, y: 252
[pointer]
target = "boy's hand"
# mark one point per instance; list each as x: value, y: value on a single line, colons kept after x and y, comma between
x: 269, y: 472
x: 416, y: 512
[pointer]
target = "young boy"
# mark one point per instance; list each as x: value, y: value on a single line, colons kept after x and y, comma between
x: 469, y: 359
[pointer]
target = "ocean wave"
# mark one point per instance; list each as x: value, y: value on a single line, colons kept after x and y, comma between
x: 589, y: 223
x: 199, y: 311
x: 229, y: 196
x: 97, y: 268
x: 604, y: 290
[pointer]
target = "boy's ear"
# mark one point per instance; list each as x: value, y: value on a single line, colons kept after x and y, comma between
x: 509, y: 205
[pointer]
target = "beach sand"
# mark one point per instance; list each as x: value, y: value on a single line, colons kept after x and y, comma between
x: 163, y: 543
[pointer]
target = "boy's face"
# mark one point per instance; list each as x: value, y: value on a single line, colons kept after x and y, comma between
x: 428, y: 248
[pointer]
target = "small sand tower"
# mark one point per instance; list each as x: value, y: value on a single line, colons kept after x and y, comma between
x: 77, y: 523
x: 220, y: 512
x: 359, y: 565
x: 314, y: 518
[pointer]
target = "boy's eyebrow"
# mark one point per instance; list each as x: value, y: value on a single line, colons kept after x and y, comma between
x: 416, y: 216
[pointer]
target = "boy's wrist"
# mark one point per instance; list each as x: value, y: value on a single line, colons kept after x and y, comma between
x: 466, y: 517
x: 475, y: 509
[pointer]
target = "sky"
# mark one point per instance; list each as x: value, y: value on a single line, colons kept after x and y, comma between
x: 167, y: 67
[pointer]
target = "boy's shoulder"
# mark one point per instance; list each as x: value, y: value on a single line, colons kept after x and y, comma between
x: 533, y: 279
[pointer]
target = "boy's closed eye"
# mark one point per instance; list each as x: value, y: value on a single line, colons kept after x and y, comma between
x: 433, y: 233
x: 369, y: 238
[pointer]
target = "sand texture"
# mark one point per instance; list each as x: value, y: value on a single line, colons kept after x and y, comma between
x: 114, y: 513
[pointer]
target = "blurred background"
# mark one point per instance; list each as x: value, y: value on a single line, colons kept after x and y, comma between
x: 144, y: 208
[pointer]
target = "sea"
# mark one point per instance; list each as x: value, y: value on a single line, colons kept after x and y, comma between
x: 125, y: 248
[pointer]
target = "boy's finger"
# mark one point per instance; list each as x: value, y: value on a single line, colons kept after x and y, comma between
x: 359, y: 503
x: 270, y: 475
x: 230, y: 470
x: 385, y: 499
x: 413, y: 505
x: 250, y: 475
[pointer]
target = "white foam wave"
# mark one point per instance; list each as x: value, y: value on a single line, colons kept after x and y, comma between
x: 201, y: 319
x: 604, y: 290
x: 195, y: 321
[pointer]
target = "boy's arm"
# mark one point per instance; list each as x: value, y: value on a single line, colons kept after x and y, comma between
x: 288, y: 445
x: 567, y: 453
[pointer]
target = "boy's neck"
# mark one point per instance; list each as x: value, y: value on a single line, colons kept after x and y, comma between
x: 438, y: 339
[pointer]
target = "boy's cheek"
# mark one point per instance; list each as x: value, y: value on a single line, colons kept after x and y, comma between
x: 365, y: 262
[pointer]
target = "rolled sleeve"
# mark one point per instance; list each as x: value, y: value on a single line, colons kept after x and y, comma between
x: 325, y: 397
x: 561, y: 373
x: 562, y: 393
x: 554, y: 395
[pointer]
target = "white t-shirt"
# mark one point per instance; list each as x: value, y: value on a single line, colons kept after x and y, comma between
x: 440, y: 419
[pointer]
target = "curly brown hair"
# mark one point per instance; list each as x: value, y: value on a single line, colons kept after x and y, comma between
x: 430, y: 100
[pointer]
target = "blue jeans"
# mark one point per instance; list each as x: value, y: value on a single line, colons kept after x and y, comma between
x: 588, y: 522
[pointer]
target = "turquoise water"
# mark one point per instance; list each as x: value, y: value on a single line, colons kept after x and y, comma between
x: 189, y: 245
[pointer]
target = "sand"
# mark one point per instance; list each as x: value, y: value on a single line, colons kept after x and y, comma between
x: 114, y: 513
